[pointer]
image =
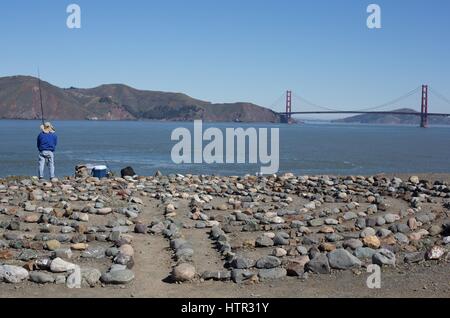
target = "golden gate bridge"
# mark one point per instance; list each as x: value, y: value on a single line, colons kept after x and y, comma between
x: 424, y: 107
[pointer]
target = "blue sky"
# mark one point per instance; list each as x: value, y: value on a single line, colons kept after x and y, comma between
x: 236, y: 50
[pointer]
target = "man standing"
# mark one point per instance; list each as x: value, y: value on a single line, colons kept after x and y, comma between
x: 46, y: 143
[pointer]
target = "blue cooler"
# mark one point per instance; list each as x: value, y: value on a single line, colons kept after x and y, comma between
x: 100, y: 172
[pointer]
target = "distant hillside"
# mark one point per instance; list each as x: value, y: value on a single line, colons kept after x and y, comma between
x: 393, y: 119
x: 19, y: 99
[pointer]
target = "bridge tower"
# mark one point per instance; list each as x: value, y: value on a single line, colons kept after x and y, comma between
x: 288, y: 104
x: 424, y: 107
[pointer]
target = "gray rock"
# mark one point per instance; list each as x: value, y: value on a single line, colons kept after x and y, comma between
x: 342, y: 259
x: 13, y: 274
x: 58, y: 265
x: 296, y: 224
x: 353, y: 243
x: 27, y: 255
x: 414, y: 257
x: 112, y: 251
x: 60, y: 280
x: 350, y: 216
x: 280, y: 239
x: 360, y: 223
x: 368, y: 231
x: 264, y: 241
x: 41, y: 278
x: 63, y: 253
x: 383, y: 257
x: 381, y: 221
x: 268, y: 262
x: 391, y: 218
x: 242, y: 263
x: 94, y: 252
x: 118, y: 277
x: 140, y: 228
x: 333, y: 237
x: 383, y: 232
x: 316, y: 222
x: 123, y: 259
x: 319, y: 264
x: 402, y: 238
x: 183, y: 272
x: 302, y: 250
x: 241, y: 275
x: 331, y: 221
x: 117, y: 267
x: 272, y: 273
x: 364, y: 252
x: 218, y: 275
x: 90, y: 276
x: 403, y: 228
x: 184, y: 253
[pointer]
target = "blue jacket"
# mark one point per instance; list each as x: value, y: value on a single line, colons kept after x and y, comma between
x: 47, y: 141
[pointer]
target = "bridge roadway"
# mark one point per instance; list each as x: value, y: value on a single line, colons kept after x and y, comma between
x: 365, y: 112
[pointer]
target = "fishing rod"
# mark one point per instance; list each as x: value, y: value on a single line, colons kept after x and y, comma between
x: 40, y: 97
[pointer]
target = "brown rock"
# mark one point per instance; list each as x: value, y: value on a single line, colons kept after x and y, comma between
x: 32, y: 218
x: 59, y: 213
x: 327, y: 247
x: 412, y: 223
x: 81, y: 228
x: 79, y: 246
x: 372, y: 241
x: 36, y: 245
x: 389, y: 240
x: 6, y: 255
x: 127, y: 250
x: 52, y: 245
x: 326, y: 229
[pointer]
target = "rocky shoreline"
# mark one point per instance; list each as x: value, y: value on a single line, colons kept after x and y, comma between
x: 251, y: 229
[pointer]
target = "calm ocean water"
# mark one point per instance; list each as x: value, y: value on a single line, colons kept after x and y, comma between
x: 304, y: 149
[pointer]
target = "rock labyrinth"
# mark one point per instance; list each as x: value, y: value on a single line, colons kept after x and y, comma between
x: 239, y: 229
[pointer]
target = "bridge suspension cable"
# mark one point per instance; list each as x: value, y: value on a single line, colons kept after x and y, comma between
x: 439, y: 95
x: 394, y: 101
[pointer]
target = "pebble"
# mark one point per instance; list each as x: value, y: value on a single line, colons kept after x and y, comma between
x: 414, y: 257
x: 53, y: 245
x: 435, y: 253
x: 353, y: 243
x: 59, y: 265
x: 384, y: 257
x: 342, y: 259
x: 272, y: 273
x: 350, y: 216
x: 242, y: 263
x: 90, y: 276
x: 319, y: 264
x: 239, y: 276
x: 364, y: 252
x: 41, y: 278
x: 268, y: 262
x: 63, y: 253
x: 391, y: 218
x: 372, y: 241
x: 183, y: 272
x: 118, y: 277
x: 279, y: 252
x: 264, y: 241
x: 13, y: 274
